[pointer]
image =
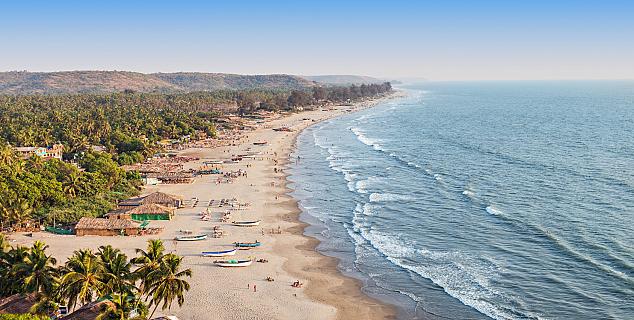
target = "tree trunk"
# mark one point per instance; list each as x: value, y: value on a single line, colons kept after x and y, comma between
x: 156, y: 306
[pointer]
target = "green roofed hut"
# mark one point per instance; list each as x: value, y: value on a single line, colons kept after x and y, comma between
x: 151, y: 211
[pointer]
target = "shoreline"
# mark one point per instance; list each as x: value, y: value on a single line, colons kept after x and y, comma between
x: 229, y: 293
x: 330, y: 284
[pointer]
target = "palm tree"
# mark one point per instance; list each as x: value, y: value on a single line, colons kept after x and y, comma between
x: 71, y: 184
x: 167, y: 283
x: 118, y: 277
x: 83, y: 278
x: 123, y: 307
x: 8, y: 285
x: 7, y: 156
x: 4, y: 245
x: 148, y: 261
x: 16, y: 211
x: 37, y: 272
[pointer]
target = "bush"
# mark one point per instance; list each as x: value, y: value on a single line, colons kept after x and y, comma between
x: 25, y: 316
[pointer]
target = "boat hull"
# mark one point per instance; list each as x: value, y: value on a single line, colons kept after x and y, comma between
x: 229, y: 264
x: 219, y: 253
x: 191, y: 238
x: 246, y: 223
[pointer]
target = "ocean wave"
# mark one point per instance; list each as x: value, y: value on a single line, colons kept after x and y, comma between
x: 494, y: 210
x: 466, y: 278
x: 363, y: 185
x: 562, y: 244
x: 369, y: 209
x: 469, y: 193
x: 388, y: 197
x: 374, y: 143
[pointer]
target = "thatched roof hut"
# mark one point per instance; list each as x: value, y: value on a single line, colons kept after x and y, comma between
x: 106, y: 227
x: 151, y: 211
x: 119, y: 214
x: 18, y: 303
x: 90, y: 311
x: 163, y: 199
x: 160, y: 198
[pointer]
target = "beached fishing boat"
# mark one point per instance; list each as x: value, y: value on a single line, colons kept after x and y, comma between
x: 246, y: 223
x: 260, y: 143
x: 233, y: 263
x: 247, y: 245
x: 219, y: 253
x: 191, y: 238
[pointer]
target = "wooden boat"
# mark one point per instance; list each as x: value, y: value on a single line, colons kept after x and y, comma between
x: 260, y: 143
x: 246, y: 223
x: 191, y: 238
x: 233, y: 263
x: 247, y: 245
x: 219, y: 253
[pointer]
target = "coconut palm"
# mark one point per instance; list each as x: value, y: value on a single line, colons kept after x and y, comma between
x: 166, y: 283
x: 83, y: 279
x: 16, y: 211
x: 37, y: 272
x: 148, y: 261
x: 71, y: 184
x: 4, y: 245
x: 15, y: 256
x: 123, y: 307
x: 118, y: 277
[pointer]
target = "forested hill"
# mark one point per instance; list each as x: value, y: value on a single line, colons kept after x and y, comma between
x: 344, y: 79
x: 23, y: 83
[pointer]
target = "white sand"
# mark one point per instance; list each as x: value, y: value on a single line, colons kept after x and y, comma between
x: 227, y: 293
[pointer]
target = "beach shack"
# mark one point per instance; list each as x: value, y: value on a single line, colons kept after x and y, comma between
x: 90, y: 311
x: 18, y: 303
x: 106, y: 227
x: 160, y: 198
x: 151, y: 211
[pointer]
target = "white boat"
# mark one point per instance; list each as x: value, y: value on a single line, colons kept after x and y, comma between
x: 219, y: 253
x: 191, y: 238
x: 233, y: 263
x: 246, y: 223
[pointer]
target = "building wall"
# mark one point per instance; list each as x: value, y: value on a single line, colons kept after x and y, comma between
x: 96, y: 232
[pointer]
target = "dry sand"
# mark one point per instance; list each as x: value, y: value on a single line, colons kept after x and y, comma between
x: 228, y: 293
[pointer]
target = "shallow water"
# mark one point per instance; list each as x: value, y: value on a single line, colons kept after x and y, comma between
x: 504, y: 200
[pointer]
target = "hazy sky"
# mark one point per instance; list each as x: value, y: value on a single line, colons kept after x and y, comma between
x: 440, y: 40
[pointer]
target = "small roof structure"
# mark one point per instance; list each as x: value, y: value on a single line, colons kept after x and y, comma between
x: 90, y: 311
x: 159, y: 197
x: 150, y: 208
x: 18, y: 303
x: 152, y: 198
x: 105, y: 224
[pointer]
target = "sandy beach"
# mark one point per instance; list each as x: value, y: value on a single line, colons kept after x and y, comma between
x: 244, y: 293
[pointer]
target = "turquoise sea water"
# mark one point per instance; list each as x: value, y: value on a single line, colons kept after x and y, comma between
x: 504, y: 200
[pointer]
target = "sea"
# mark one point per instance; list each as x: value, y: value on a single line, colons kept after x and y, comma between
x: 480, y: 200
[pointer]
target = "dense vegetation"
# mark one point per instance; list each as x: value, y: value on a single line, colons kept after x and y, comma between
x: 129, y: 125
x: 53, y: 190
x: 23, y: 317
x: 153, y: 277
x: 103, y: 82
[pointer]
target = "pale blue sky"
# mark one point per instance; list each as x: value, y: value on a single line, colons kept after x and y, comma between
x: 440, y: 40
